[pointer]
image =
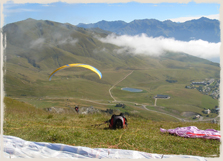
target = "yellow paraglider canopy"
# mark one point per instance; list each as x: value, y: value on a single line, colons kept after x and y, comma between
x: 77, y: 65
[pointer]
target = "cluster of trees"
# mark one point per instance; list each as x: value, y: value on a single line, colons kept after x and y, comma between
x: 120, y: 105
x: 171, y: 81
x: 214, y: 111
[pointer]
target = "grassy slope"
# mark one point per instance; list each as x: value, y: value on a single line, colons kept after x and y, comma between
x: 34, y: 124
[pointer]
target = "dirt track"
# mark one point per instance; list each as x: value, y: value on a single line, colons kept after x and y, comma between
x: 117, y: 83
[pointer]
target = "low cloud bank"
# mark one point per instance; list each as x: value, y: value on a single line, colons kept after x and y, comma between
x: 142, y: 44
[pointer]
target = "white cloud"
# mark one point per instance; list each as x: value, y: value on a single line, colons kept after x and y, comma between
x: 68, y: 40
x: 183, y: 19
x: 46, y: 5
x: 63, y: 39
x: 37, y: 43
x: 8, y: 11
x: 100, y: 50
x: 142, y: 44
x: 73, y: 41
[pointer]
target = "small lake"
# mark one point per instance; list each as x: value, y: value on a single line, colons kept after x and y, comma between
x: 131, y: 89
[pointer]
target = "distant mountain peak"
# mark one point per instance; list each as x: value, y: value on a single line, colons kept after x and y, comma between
x: 167, y: 21
x: 204, y: 28
x: 204, y: 18
x: 30, y: 19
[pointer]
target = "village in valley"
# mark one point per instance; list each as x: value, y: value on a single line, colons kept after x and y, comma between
x: 208, y: 87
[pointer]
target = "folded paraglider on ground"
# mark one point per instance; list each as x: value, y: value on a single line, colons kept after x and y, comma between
x: 194, y: 132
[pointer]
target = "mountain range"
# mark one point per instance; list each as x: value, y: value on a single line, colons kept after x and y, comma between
x: 203, y: 28
x: 46, y: 44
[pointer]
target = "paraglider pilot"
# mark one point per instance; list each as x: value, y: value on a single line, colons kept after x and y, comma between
x: 118, y: 121
x: 77, y: 109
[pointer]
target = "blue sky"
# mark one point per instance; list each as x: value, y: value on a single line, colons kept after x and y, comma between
x: 76, y: 13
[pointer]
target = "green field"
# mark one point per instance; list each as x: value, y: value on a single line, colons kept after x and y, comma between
x: 34, y: 124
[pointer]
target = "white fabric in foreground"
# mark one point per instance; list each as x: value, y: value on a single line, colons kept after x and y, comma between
x: 15, y: 147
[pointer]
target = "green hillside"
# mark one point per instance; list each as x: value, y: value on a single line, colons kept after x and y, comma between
x: 35, y: 48
x: 33, y: 124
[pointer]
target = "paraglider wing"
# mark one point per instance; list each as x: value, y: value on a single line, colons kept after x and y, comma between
x: 77, y: 65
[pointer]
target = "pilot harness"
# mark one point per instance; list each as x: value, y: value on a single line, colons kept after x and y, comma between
x: 116, y: 122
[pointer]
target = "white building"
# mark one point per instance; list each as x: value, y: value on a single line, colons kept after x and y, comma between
x: 207, y: 111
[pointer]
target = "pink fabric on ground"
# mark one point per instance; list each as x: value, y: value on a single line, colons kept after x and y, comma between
x: 194, y: 132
